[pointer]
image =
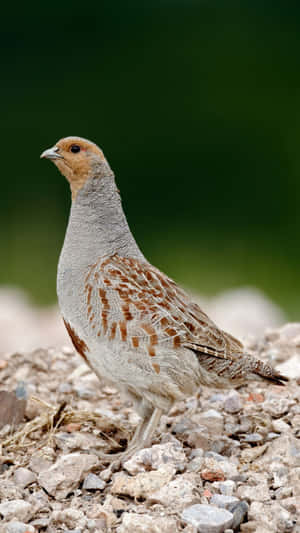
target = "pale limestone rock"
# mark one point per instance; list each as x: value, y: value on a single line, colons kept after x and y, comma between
x: 227, y: 467
x: 70, y: 517
x: 250, y: 454
x: 143, y: 484
x: 9, y: 490
x: 18, y: 527
x: 24, y: 477
x: 207, y: 518
x: 259, y: 492
x: 65, y: 475
x: 93, y: 482
x: 69, y: 442
x: 287, y: 448
x: 158, y: 455
x: 279, y: 426
x: 177, y: 494
x: 212, y: 420
x: 16, y: 509
x: 277, y: 406
x: 225, y: 487
x: 222, y: 501
x: 269, y: 514
x: 143, y: 523
x: 42, y: 460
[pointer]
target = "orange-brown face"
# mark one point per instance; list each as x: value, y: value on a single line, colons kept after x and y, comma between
x: 76, y: 159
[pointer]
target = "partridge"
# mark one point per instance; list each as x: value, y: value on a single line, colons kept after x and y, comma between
x: 132, y: 324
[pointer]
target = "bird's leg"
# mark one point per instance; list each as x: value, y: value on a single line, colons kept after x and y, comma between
x: 143, y: 434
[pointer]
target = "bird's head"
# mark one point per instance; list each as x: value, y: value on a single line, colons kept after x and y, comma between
x: 77, y: 159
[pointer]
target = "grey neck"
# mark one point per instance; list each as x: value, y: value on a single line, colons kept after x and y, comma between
x: 97, y: 224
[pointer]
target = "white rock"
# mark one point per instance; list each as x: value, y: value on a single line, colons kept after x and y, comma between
x: 270, y: 514
x: 24, y: 477
x: 225, y: 487
x: 176, y: 494
x: 222, y: 501
x: 65, y: 475
x: 287, y: 448
x: 279, y: 426
x: 143, y: 484
x: 170, y: 453
x: 229, y: 468
x: 259, y: 492
x: 18, y: 527
x: 207, y: 518
x: 16, y: 509
x: 277, y: 406
x: 143, y: 523
x: 70, y: 518
x: 280, y: 474
x: 93, y: 482
x: 212, y: 420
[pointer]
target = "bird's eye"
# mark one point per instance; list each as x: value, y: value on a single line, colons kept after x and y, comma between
x: 75, y: 148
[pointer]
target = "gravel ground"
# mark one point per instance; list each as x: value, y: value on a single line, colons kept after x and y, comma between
x: 221, y: 460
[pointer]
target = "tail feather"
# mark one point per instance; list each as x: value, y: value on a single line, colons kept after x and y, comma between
x: 265, y: 371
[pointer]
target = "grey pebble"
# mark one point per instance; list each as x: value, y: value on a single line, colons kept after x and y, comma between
x: 93, y: 482
x: 253, y: 437
x: 223, y: 501
x: 239, y: 510
x: 232, y: 404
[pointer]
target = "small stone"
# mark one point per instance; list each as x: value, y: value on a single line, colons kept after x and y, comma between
x: 279, y: 426
x: 212, y: 420
x: 253, y: 438
x: 239, y: 511
x: 250, y: 454
x: 16, y: 509
x: 255, y: 397
x: 212, y: 475
x: 84, y: 393
x: 18, y: 527
x: 225, y: 487
x: 207, y: 518
x: 71, y: 518
x: 24, y: 477
x: 232, y: 403
x: 143, y: 523
x: 277, y: 406
x: 42, y: 460
x: 143, y: 484
x: 176, y: 494
x: 93, y: 482
x: 258, y: 492
x: 171, y: 453
x: 222, y: 501
x: 65, y: 475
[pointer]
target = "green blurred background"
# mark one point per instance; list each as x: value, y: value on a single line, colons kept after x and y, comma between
x: 196, y: 106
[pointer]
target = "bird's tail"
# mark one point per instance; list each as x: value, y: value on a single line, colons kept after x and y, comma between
x: 265, y: 371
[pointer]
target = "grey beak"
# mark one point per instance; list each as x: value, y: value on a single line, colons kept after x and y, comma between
x: 51, y: 153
